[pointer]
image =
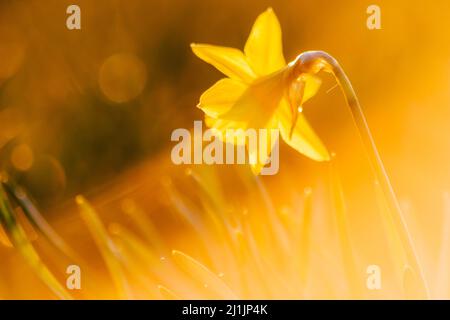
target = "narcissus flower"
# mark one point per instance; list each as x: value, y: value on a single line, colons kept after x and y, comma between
x: 261, y: 90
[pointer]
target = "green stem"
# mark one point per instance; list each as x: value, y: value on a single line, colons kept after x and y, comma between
x: 20, y: 241
x: 313, y: 62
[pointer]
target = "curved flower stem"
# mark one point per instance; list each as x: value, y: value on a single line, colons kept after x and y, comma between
x: 313, y: 62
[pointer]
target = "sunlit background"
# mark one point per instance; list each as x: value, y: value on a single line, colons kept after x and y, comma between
x: 91, y: 112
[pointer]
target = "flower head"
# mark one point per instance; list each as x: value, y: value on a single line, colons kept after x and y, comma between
x: 261, y: 90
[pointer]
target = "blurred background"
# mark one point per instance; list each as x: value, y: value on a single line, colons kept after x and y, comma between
x: 91, y: 111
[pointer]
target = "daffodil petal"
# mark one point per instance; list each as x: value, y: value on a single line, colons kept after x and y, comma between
x: 264, y: 148
x: 264, y: 48
x: 259, y: 102
x: 230, y: 61
x: 303, y: 138
x: 312, y: 85
x: 220, y: 127
x: 221, y: 97
x: 300, y: 91
x: 259, y: 164
x: 235, y: 132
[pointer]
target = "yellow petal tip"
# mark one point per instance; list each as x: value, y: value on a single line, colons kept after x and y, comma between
x: 321, y: 156
x: 195, y: 46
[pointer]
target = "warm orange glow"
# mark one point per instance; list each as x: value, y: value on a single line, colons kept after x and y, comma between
x: 86, y: 118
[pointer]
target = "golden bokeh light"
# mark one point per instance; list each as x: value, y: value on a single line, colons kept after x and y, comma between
x: 22, y: 157
x: 122, y: 77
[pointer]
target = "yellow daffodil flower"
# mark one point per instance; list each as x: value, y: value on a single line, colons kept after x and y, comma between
x: 261, y: 90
